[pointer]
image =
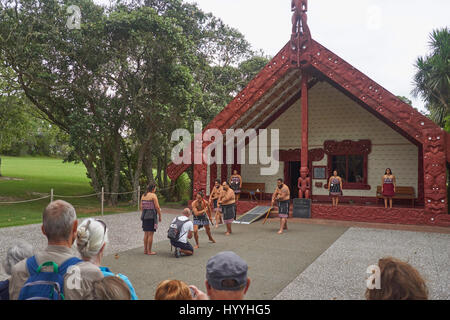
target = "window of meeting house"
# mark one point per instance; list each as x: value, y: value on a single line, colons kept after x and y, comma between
x: 351, y: 169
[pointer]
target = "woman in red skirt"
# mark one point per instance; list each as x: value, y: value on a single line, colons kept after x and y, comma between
x: 388, y: 187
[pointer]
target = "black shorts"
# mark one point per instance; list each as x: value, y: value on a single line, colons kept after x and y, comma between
x: 148, y: 225
x: 283, y: 209
x: 183, y: 246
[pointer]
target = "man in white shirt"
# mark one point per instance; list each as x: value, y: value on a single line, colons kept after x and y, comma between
x: 182, y: 245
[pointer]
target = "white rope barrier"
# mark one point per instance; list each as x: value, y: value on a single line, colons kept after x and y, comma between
x: 24, y: 201
x: 77, y: 197
x: 85, y: 196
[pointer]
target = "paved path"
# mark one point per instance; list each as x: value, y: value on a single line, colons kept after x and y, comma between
x: 339, y: 273
x: 314, y: 260
x: 274, y: 260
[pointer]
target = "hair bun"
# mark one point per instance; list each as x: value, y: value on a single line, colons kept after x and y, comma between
x: 83, y: 236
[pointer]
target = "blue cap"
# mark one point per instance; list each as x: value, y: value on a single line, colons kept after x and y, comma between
x: 227, y: 265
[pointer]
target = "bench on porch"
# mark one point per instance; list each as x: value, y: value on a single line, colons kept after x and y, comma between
x: 252, y: 189
x: 400, y: 193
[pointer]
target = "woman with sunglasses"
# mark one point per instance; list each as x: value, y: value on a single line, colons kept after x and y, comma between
x: 92, y: 237
x: 150, y: 213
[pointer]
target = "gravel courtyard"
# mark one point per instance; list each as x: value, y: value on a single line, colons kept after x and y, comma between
x: 307, y: 262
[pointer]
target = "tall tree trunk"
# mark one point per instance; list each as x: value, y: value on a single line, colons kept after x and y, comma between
x: 138, y: 171
x: 158, y: 171
x: 92, y: 174
x: 116, y: 173
x: 149, y: 165
x: 164, y: 165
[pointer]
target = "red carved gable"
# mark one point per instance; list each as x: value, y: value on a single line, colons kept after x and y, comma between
x: 377, y: 99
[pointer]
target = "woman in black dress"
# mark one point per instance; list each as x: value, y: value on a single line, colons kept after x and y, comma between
x: 335, y: 188
x: 151, y: 215
x: 236, y: 184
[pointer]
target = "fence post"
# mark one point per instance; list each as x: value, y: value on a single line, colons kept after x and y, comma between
x: 51, y: 195
x: 139, y: 198
x: 103, y: 198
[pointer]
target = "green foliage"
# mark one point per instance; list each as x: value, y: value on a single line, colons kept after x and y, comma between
x: 432, y: 78
x: 118, y: 86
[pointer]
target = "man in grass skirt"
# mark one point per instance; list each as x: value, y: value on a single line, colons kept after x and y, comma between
x: 282, y: 195
x: 202, y: 217
x: 228, y: 204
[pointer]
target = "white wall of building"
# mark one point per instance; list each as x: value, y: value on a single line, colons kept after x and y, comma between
x: 334, y: 116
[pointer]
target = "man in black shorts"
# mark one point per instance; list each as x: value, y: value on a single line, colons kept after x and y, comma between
x: 183, y: 245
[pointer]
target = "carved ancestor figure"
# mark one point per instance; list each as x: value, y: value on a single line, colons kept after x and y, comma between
x: 300, y: 19
x: 304, y: 185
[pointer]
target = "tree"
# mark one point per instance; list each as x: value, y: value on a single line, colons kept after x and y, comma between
x: 120, y: 84
x: 405, y: 100
x: 432, y: 78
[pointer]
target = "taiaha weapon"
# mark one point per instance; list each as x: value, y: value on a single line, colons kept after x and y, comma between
x: 267, y: 215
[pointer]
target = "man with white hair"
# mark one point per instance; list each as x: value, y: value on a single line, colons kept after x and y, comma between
x: 21, y: 250
x: 59, y: 225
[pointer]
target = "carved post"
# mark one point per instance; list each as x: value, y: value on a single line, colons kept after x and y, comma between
x: 435, y: 174
x: 200, y: 169
x: 304, y: 146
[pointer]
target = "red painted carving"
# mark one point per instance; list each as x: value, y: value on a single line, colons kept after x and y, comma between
x: 347, y: 147
x: 435, y: 175
x: 301, y: 35
x: 295, y: 155
x: 212, y: 176
x: 304, y: 185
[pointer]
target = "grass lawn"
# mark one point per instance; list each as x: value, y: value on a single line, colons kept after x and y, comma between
x: 34, y: 177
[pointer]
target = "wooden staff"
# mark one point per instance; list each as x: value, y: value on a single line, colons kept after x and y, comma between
x: 267, y: 215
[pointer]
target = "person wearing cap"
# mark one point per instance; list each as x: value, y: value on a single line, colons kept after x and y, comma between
x: 226, y: 277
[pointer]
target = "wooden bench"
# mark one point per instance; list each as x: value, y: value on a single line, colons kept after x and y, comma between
x: 252, y: 189
x: 400, y: 193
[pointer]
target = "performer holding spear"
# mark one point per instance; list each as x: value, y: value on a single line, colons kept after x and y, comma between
x: 282, y: 194
x: 202, y: 217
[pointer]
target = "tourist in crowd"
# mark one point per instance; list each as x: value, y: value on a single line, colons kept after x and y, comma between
x: 173, y: 290
x: 21, y: 250
x: 151, y: 215
x: 236, y: 184
x: 335, y: 188
x: 59, y: 225
x: 92, y: 237
x: 202, y: 217
x: 282, y: 195
x: 214, y: 202
x: 111, y: 288
x: 388, y: 185
x: 186, y: 228
x: 398, y: 281
x: 226, y: 278
x: 228, y: 206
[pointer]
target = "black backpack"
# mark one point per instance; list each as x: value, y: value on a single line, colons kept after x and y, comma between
x: 175, y: 228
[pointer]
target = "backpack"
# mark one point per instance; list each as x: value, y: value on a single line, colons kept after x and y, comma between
x: 45, y: 285
x: 175, y: 228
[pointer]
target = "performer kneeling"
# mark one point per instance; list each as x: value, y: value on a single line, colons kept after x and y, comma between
x: 201, y: 212
x: 228, y: 205
x: 283, y: 195
x: 214, y: 202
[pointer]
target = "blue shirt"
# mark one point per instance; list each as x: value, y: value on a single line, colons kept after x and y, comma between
x: 107, y: 273
x: 4, y: 290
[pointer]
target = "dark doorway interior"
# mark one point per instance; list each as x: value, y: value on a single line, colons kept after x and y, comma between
x: 294, y: 174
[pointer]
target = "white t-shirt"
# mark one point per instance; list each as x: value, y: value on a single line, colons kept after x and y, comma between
x: 188, y: 226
